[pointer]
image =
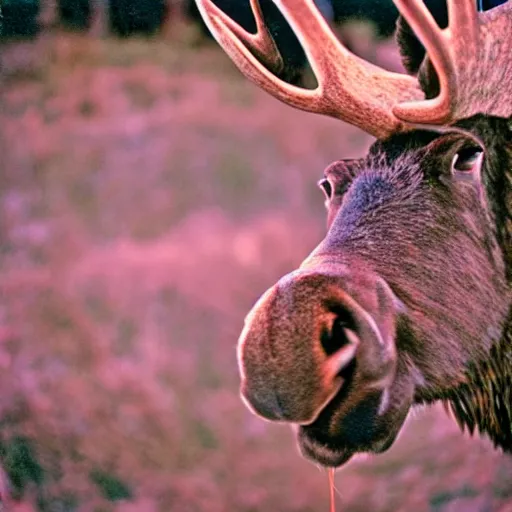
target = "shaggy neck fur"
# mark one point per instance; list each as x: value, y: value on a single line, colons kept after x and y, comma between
x: 484, y: 402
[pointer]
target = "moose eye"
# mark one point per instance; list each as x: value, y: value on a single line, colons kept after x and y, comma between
x: 467, y: 161
x: 326, y: 187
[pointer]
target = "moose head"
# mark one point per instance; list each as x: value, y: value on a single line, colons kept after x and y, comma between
x: 406, y: 300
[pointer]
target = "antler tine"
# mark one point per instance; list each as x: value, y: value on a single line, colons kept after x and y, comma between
x: 463, y: 19
x: 463, y: 59
x: 348, y: 87
x: 261, y: 43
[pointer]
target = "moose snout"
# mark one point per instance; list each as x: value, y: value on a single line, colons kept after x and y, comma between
x: 311, y: 335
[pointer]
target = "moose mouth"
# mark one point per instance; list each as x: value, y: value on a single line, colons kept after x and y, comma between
x: 334, y: 437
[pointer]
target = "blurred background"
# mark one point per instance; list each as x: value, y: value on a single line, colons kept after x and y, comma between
x: 148, y: 195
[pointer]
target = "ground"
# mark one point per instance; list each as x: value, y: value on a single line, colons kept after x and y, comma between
x: 148, y: 195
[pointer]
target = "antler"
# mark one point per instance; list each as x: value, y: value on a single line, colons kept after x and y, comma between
x: 472, y: 58
x: 261, y: 43
x: 348, y: 87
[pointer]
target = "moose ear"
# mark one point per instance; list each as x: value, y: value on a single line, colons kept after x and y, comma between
x: 413, y: 53
x: 411, y: 50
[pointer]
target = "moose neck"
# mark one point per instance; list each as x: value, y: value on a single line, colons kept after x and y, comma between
x: 484, y: 401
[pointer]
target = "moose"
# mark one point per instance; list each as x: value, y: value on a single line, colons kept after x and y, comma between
x: 407, y: 299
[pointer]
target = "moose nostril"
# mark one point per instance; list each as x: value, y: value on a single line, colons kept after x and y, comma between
x: 334, y: 338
